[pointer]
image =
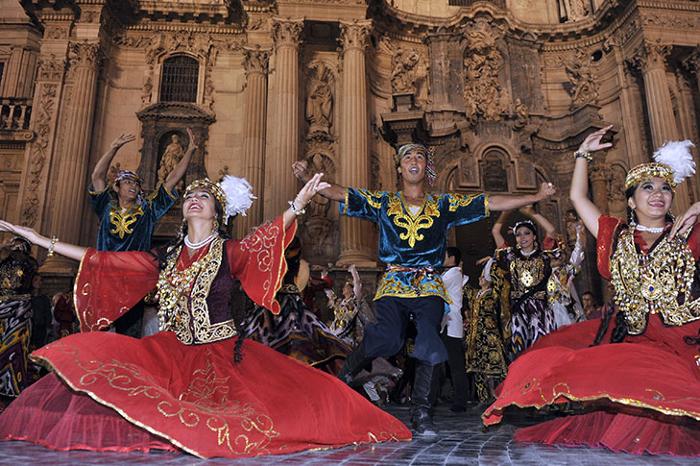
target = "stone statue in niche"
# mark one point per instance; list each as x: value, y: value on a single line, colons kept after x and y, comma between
x: 171, y: 156
x: 573, y: 10
x: 319, y: 100
x: 520, y: 113
x: 403, y: 74
x: 495, y: 176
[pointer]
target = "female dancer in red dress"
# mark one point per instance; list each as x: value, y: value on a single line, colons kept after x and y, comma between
x: 640, y: 389
x: 181, y: 389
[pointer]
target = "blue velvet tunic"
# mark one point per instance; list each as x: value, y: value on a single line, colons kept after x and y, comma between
x: 413, y: 245
x: 131, y: 230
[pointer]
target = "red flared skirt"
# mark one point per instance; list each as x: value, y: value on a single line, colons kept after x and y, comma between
x: 644, y: 393
x: 110, y: 392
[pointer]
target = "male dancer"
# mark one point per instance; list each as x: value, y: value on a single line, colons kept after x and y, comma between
x: 413, y: 226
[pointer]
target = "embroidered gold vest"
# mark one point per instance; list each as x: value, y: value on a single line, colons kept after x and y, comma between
x: 658, y: 282
x: 183, y: 296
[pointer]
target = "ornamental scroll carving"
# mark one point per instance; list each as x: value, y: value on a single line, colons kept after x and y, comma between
x: 354, y: 35
x: 583, y: 84
x: 483, y: 62
x: 574, y: 10
x: 256, y: 60
x: 51, y: 68
x: 651, y: 55
x: 38, y: 153
x: 287, y: 32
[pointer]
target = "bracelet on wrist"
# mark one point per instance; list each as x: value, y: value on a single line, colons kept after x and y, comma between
x: 583, y: 154
x: 52, y: 246
x: 296, y: 211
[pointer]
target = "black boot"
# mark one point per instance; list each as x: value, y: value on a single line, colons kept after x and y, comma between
x: 354, y: 363
x: 421, y: 420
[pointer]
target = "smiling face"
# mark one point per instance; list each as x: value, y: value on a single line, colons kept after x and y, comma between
x: 412, y: 167
x: 347, y: 290
x: 128, y: 189
x: 525, y: 238
x: 199, y: 204
x: 651, y: 200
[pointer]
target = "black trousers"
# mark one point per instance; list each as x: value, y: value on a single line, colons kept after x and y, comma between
x: 387, y: 335
x: 458, y: 370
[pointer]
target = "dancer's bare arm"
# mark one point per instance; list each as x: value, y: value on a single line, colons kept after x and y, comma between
x: 99, y: 173
x: 70, y: 251
x: 333, y: 192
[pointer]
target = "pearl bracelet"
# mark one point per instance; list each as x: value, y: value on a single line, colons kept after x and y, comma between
x: 583, y: 154
x: 54, y: 240
x: 296, y: 211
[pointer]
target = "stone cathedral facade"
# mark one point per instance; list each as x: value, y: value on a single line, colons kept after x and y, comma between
x: 502, y: 90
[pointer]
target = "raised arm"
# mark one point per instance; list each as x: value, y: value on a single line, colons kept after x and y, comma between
x: 99, y: 173
x: 356, y: 282
x: 68, y: 250
x: 179, y: 170
x: 500, y: 202
x: 541, y: 220
x: 313, y: 185
x: 585, y: 208
x: 498, y: 228
x: 334, y: 192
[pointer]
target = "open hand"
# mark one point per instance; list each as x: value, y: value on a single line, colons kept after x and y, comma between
x: 546, y: 190
x: 25, y: 232
x: 300, y: 169
x: 686, y: 221
x: 123, y: 138
x: 592, y: 142
x: 313, y: 186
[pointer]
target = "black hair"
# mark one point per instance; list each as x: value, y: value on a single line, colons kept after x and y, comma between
x: 453, y: 251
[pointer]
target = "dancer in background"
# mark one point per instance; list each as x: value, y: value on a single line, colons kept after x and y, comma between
x: 639, y: 387
x: 528, y: 268
x: 561, y: 291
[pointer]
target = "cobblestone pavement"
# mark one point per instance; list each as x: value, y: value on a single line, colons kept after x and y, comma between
x: 461, y: 441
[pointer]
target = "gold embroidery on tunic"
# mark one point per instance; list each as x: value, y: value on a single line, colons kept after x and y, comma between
x: 123, y: 223
x: 460, y: 200
x: 373, y: 198
x: 403, y: 218
x: 658, y: 282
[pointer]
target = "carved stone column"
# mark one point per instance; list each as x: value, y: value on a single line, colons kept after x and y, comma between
x: 354, y: 139
x: 599, y: 183
x: 651, y: 59
x: 256, y: 68
x: 73, y: 163
x: 284, y: 140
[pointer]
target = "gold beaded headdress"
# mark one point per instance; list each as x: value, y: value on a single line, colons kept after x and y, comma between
x: 234, y: 194
x: 673, y: 163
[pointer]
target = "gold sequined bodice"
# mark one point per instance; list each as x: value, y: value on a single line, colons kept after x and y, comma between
x: 657, y: 282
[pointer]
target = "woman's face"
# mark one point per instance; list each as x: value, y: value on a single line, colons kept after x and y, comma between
x: 525, y: 239
x: 199, y: 204
x: 347, y: 290
x: 651, y: 200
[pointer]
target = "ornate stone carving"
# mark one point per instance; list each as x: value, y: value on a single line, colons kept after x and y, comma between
x: 483, y: 63
x: 51, y: 68
x: 582, y: 85
x: 573, y: 10
x: 521, y: 114
x: 319, y: 99
x: 38, y: 154
x: 84, y: 54
x: 354, y: 35
x: 256, y: 60
x: 287, y: 31
x: 404, y: 64
x: 57, y: 32
x: 651, y: 55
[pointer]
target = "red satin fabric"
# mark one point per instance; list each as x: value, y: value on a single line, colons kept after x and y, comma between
x: 652, y: 379
x: 191, y: 397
